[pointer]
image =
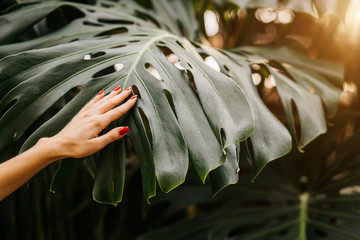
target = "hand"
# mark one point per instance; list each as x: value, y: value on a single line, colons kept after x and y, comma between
x: 80, y: 137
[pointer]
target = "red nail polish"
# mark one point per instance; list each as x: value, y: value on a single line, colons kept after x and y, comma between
x: 117, y: 88
x: 133, y: 96
x: 123, y: 130
x: 101, y: 92
x: 128, y: 88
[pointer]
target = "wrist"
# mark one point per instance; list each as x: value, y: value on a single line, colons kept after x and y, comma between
x: 50, y: 148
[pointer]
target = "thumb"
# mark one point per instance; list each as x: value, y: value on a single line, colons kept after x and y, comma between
x: 111, y: 136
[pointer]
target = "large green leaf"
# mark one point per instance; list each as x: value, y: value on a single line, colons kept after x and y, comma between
x: 182, y: 121
x: 314, y: 195
x: 297, y: 79
x: 185, y: 111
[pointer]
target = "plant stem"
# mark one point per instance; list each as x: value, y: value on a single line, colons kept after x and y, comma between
x: 304, y: 198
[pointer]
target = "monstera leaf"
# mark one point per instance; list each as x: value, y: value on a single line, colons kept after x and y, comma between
x: 186, y: 110
x: 314, y: 195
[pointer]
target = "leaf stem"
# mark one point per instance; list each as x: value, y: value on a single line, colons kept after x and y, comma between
x: 304, y: 198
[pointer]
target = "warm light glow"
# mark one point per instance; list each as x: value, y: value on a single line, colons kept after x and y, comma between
x: 352, y: 20
x: 256, y: 77
x: 270, y: 82
x: 285, y: 16
x: 265, y: 15
x: 350, y: 87
x: 211, y: 23
x: 268, y: 15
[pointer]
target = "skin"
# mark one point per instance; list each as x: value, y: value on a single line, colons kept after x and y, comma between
x: 77, y: 140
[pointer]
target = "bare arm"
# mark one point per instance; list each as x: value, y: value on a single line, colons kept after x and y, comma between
x: 78, y: 139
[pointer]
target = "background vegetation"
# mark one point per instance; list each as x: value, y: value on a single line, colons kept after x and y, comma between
x: 311, y: 193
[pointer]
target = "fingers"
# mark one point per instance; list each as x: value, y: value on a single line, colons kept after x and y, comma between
x: 111, y: 101
x: 113, y: 93
x: 99, y: 96
x: 111, y: 136
x: 117, y: 112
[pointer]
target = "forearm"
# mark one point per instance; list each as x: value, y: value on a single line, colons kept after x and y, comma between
x: 80, y: 138
x: 18, y: 170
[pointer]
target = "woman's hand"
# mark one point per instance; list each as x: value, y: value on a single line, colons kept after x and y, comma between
x: 80, y: 137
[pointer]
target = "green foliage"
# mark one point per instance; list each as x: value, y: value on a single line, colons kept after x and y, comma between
x: 314, y: 195
x: 215, y: 122
x: 186, y: 109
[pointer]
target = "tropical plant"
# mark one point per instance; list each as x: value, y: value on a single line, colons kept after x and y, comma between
x: 311, y: 195
x: 189, y: 114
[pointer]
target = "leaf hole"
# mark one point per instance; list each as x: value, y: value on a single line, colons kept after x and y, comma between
x: 93, y: 55
x: 114, y: 31
x: 7, y: 107
x: 109, y: 70
x: 134, y: 41
x: 150, y: 68
x: 223, y: 136
x: 296, y: 116
x: 90, y: 10
x: 172, y: 57
x: 119, y: 46
x: 320, y: 233
x: 191, y: 79
x: 136, y: 91
x: 87, y: 23
x: 179, y: 43
x: 226, y: 68
x: 74, y: 40
x: 115, y: 21
x: 211, y: 62
x: 146, y: 125
x: 196, y: 45
x: 139, y: 35
x: 170, y: 100
x: 118, y: 67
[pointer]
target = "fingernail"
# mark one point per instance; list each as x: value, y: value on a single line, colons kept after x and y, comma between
x: 101, y: 92
x: 117, y: 88
x: 123, y: 130
x: 128, y: 88
x: 133, y: 96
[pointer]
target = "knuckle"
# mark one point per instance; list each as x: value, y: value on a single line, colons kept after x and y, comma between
x: 113, y: 136
x: 96, y: 121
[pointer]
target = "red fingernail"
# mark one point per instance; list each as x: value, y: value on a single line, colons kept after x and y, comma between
x: 133, y: 96
x: 128, y: 88
x: 123, y: 130
x: 117, y: 88
x: 101, y: 92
